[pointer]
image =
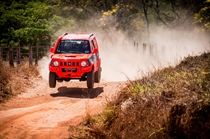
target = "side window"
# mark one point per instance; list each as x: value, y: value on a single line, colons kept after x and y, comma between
x: 92, y: 45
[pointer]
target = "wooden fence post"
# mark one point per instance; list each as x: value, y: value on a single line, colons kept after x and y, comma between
x: 144, y: 46
x: 151, y: 49
x: 136, y: 46
x: 18, y: 55
x: 30, y: 54
x: 11, y: 62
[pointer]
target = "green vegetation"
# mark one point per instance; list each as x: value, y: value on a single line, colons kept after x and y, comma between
x: 170, y: 103
x: 24, y: 24
x: 35, y: 22
x: 202, y: 17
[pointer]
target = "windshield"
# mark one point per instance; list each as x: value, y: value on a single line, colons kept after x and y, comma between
x: 73, y: 46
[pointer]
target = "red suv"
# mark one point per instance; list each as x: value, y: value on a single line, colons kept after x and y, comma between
x: 75, y: 56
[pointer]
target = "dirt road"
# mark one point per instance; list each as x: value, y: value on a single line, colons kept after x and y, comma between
x: 43, y: 113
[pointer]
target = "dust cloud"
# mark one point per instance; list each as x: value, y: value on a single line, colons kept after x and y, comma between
x: 123, y: 58
x: 43, y: 66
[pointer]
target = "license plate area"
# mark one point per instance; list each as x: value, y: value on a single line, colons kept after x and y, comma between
x: 69, y: 69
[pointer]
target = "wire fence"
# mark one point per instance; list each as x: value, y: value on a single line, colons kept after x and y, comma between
x: 34, y: 53
x: 18, y: 54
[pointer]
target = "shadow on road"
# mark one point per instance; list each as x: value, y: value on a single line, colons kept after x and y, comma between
x: 78, y: 92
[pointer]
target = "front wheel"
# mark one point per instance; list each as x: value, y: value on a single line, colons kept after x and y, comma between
x: 90, y: 79
x: 52, y: 80
x: 98, y: 75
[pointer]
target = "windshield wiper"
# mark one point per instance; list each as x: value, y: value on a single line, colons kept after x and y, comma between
x: 61, y: 52
x: 75, y: 52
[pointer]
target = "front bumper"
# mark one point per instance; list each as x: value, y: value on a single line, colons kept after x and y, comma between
x: 70, y: 72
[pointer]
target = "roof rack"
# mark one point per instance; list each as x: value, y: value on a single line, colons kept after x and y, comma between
x: 90, y: 35
x: 64, y: 34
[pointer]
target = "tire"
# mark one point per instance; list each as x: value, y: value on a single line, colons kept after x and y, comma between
x: 90, y: 79
x: 52, y: 80
x: 98, y: 75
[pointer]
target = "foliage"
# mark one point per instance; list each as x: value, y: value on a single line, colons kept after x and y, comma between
x: 35, y: 25
x: 24, y: 23
x: 202, y: 18
x: 36, y: 22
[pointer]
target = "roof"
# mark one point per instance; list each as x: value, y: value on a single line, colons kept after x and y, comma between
x: 79, y: 36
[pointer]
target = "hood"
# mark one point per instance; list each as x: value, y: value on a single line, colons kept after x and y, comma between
x: 70, y: 56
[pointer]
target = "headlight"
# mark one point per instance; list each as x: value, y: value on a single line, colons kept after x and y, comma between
x: 54, y: 63
x: 83, y: 63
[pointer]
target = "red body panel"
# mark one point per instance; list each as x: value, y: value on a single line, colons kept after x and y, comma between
x: 69, y: 66
x: 70, y: 62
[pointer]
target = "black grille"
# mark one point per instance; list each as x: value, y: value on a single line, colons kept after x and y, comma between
x: 69, y: 64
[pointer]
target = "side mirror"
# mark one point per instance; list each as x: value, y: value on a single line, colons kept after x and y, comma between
x: 52, y: 49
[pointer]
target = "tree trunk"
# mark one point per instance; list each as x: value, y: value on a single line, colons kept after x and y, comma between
x: 37, y: 54
x: 158, y: 14
x: 11, y: 62
x: 18, y: 55
x: 173, y: 4
x: 145, y: 8
x: 48, y: 49
x: 30, y: 56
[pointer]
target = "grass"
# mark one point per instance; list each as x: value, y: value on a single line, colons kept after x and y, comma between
x: 15, y: 80
x: 170, y: 103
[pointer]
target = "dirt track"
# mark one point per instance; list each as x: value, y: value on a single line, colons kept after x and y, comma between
x: 43, y: 113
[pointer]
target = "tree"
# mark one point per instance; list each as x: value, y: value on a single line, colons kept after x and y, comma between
x: 202, y: 18
x: 145, y: 9
x: 24, y: 23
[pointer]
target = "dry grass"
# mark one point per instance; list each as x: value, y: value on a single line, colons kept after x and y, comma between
x: 15, y: 80
x: 5, y: 90
x: 169, y: 103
